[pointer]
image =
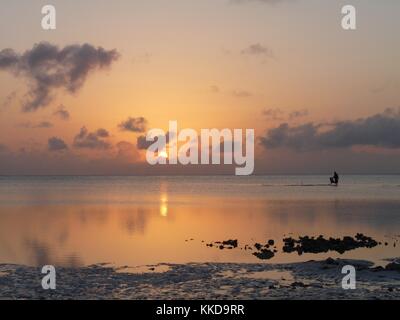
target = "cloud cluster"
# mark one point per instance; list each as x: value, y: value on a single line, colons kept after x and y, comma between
x: 48, y: 68
x: 62, y: 113
x: 134, y: 124
x: 92, y: 140
x: 380, y: 130
x: 56, y: 144
x: 258, y: 50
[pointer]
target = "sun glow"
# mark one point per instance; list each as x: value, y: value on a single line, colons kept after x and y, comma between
x: 163, y: 154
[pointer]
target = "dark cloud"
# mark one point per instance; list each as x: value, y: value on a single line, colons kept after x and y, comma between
x: 134, y: 124
x: 56, y: 144
x: 62, y: 113
x: 48, y: 68
x: 241, y: 94
x: 3, y: 148
x: 92, y: 140
x: 380, y: 130
x: 39, y: 125
x: 143, y: 144
x: 8, y: 59
x: 257, y: 50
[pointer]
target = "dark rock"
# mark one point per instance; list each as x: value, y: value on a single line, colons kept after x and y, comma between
x: 331, y: 261
x: 264, y: 254
x: 298, y: 284
x: 377, y: 269
x: 393, y: 266
x: 233, y: 243
x: 311, y: 245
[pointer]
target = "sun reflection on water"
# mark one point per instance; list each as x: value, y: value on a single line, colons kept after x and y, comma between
x: 164, y: 205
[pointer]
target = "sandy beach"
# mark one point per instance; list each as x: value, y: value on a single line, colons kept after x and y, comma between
x: 306, y: 280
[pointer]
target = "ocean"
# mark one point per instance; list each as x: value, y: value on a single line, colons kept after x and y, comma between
x: 134, y: 221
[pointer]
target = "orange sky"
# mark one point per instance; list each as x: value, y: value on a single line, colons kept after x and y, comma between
x: 192, y: 61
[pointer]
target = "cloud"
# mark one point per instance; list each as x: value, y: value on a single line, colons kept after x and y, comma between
x: 56, y: 144
x: 241, y: 94
x: 298, y: 114
x: 273, y: 114
x: 49, y: 68
x: 92, y: 140
x: 8, y: 59
x: 257, y: 50
x: 39, y: 125
x: 277, y: 114
x: 9, y: 99
x: 3, y: 148
x: 133, y: 124
x: 62, y: 113
x: 379, y: 130
x: 143, y: 144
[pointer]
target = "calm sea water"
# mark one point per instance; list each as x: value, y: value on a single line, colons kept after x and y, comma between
x: 133, y: 221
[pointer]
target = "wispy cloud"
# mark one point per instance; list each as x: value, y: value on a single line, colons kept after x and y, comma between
x: 134, y: 124
x: 62, y: 113
x: 9, y: 99
x: 277, y: 114
x: 241, y: 93
x: 257, y: 49
x: 39, y: 125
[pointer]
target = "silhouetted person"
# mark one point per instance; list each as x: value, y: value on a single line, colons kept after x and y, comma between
x: 335, y: 178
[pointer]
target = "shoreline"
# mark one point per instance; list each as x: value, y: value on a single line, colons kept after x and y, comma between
x: 214, y: 281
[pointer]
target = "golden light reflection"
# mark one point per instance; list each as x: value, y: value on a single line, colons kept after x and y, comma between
x: 164, y: 205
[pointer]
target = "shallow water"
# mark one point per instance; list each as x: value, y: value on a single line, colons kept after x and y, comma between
x: 133, y: 221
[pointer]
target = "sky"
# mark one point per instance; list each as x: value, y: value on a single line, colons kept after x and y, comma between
x: 75, y: 100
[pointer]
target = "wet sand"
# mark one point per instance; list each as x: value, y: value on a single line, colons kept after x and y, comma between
x: 305, y: 280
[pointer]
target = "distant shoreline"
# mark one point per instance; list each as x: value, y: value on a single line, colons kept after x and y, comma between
x: 197, y: 175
